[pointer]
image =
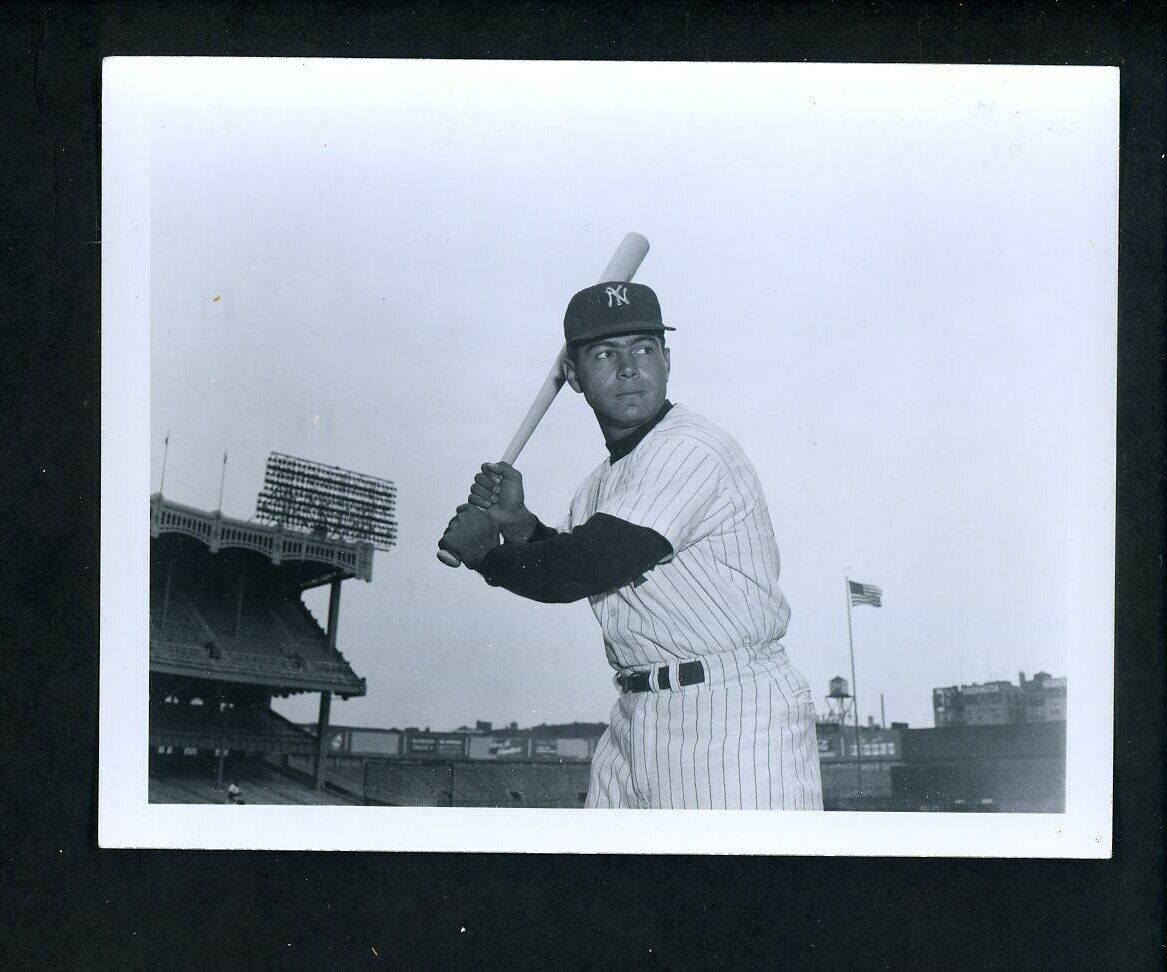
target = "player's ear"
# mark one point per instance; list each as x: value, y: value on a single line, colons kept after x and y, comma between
x: 569, y: 371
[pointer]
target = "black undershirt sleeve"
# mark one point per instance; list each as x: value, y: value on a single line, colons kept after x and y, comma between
x: 600, y: 555
x: 541, y: 532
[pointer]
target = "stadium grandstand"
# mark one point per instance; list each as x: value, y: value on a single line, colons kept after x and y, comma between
x: 229, y: 632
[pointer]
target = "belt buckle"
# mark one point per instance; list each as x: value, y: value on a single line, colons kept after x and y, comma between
x: 635, y: 681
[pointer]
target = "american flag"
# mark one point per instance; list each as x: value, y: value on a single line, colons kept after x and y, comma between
x: 865, y: 594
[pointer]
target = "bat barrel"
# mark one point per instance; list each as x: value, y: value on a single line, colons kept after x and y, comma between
x: 626, y: 260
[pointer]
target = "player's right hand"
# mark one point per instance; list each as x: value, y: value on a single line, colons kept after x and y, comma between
x: 470, y: 536
x: 497, y: 490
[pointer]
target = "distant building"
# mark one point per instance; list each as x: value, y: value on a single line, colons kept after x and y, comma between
x: 1000, y: 703
x: 1045, y: 697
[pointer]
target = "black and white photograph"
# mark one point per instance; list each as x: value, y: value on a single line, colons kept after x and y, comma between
x: 489, y: 447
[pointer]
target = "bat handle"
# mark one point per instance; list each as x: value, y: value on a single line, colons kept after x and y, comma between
x: 542, y: 402
x: 623, y: 266
x: 551, y: 384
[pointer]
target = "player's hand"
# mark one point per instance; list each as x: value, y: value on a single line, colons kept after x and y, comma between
x: 470, y: 536
x: 498, y: 491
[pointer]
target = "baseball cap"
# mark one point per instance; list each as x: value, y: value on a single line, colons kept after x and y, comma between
x: 610, y: 308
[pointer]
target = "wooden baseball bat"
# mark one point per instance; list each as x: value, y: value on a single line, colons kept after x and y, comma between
x: 623, y: 266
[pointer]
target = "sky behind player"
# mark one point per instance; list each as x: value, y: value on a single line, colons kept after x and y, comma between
x: 670, y: 541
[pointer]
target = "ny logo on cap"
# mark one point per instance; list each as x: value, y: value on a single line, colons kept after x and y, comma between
x: 617, y: 294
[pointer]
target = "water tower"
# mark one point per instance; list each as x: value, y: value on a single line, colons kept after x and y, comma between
x: 839, y: 701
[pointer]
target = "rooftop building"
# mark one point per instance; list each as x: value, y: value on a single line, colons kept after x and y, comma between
x: 1039, y: 699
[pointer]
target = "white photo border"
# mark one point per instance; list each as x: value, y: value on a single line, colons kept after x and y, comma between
x: 127, y: 819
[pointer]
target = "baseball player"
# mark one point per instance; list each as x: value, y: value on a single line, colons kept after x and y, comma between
x: 670, y: 541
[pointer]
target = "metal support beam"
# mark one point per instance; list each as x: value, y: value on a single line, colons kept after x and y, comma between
x: 333, y: 613
x: 166, y: 597
x: 223, y: 710
x: 239, y: 601
x: 326, y: 697
x: 322, y: 737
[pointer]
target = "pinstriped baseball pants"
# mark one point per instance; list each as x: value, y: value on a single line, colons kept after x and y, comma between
x: 742, y: 739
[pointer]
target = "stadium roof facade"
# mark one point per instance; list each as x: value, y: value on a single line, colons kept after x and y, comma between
x: 314, y: 560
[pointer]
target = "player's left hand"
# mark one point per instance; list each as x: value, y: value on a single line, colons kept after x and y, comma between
x: 470, y: 536
x: 498, y: 491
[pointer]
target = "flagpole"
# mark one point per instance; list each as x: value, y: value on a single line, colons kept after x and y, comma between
x: 165, y: 452
x: 222, y: 480
x: 854, y: 698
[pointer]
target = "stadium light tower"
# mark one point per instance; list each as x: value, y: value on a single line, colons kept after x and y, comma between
x: 328, y: 501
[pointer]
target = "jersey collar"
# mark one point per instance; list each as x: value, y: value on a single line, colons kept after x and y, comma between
x: 625, y: 444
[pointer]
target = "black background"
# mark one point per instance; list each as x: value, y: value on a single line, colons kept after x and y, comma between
x: 69, y: 903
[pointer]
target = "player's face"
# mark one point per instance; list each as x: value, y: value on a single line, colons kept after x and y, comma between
x: 624, y: 379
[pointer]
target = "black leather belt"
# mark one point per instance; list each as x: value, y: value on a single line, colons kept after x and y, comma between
x: 688, y: 673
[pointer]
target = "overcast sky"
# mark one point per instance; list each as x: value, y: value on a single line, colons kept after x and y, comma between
x: 887, y: 284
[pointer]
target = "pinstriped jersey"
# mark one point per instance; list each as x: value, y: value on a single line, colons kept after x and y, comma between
x: 690, y: 482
